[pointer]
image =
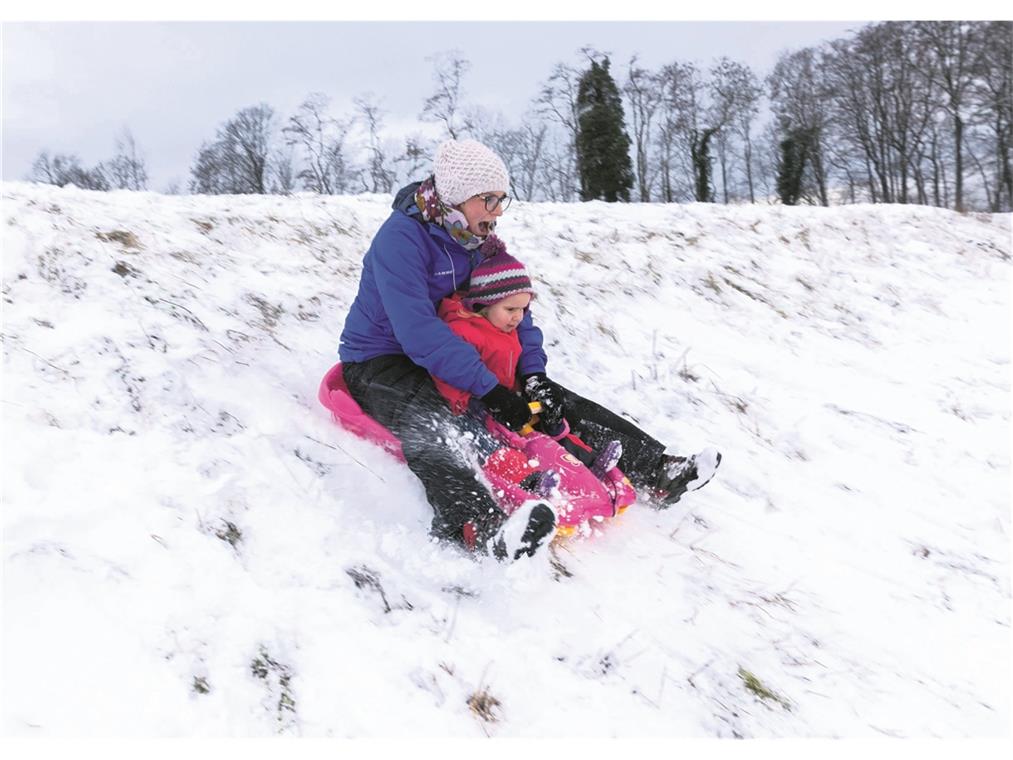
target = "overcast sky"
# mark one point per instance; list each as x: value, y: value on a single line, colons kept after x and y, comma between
x: 70, y: 87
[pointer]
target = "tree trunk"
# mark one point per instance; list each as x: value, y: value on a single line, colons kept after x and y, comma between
x: 919, y: 178
x: 871, y: 180
x: 958, y: 168
x: 749, y: 168
x: 937, y: 199
x: 821, y: 180
x: 1007, y: 172
x: 984, y: 177
x: 724, y: 170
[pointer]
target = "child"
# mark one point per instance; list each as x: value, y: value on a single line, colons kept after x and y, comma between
x: 486, y: 315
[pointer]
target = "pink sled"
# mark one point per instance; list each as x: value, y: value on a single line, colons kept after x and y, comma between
x: 581, y: 499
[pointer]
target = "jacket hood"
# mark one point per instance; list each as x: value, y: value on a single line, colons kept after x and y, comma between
x: 452, y: 310
x: 404, y: 202
x: 405, y: 199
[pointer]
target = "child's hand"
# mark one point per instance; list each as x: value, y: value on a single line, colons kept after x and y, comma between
x: 540, y: 388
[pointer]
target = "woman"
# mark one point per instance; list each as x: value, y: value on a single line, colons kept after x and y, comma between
x: 394, y: 340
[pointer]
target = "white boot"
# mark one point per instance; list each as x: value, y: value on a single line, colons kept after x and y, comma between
x: 677, y: 475
x: 530, y: 527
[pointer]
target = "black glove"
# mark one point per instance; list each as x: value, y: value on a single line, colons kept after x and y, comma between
x: 507, y: 408
x: 540, y: 388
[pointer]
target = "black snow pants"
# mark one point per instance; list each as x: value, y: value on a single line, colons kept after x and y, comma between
x: 441, y: 447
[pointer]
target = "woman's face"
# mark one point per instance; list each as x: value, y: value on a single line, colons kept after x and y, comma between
x: 480, y: 221
x: 509, y: 312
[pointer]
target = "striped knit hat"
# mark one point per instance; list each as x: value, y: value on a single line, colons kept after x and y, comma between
x: 496, y: 278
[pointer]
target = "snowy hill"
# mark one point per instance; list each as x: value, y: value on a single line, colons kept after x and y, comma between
x: 192, y: 547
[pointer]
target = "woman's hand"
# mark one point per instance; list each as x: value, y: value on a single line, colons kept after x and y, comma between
x: 507, y: 408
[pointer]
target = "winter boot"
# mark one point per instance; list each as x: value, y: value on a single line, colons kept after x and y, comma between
x: 530, y: 527
x: 677, y: 475
x: 607, y: 458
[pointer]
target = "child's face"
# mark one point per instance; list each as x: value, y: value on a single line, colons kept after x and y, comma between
x: 509, y: 312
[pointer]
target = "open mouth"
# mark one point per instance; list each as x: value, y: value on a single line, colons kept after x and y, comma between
x: 485, y: 228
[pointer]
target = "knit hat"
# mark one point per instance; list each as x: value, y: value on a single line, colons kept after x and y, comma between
x: 497, y: 277
x: 464, y: 168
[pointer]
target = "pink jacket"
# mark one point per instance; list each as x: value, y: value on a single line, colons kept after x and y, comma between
x: 500, y: 351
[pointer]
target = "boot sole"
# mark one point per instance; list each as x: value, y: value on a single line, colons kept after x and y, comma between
x: 706, y: 463
x: 541, y: 526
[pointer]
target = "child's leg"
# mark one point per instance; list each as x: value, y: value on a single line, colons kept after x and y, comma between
x: 577, y: 449
x: 598, y: 461
x: 643, y: 460
x: 597, y: 427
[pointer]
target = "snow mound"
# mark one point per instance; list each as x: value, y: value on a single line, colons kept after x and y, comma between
x: 193, y: 548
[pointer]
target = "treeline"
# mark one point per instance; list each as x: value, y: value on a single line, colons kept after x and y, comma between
x: 897, y: 112
x: 126, y: 170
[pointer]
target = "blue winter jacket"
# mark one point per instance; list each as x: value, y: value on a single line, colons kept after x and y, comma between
x: 409, y: 268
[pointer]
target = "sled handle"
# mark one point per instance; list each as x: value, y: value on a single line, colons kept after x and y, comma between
x: 536, y: 409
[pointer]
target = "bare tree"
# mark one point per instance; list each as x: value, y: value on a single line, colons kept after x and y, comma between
x: 767, y: 158
x: 557, y: 102
x: 248, y: 138
x: 723, y: 105
x: 644, y: 95
x: 523, y: 150
x: 66, y: 169
x: 689, y: 123
x: 444, y: 105
x: 735, y: 97
x: 993, y: 98
x: 533, y: 137
x: 852, y: 76
x: 952, y: 66
x: 882, y: 104
x: 321, y: 142
x: 700, y: 132
x: 799, y: 96
x: 557, y: 175
x: 673, y: 146
x: 414, y: 159
x: 939, y: 162
x: 377, y: 177
x: 665, y: 142
x: 126, y: 169
x: 282, y: 171
x: 909, y: 103
x: 238, y: 160
x: 210, y: 174
x: 46, y: 169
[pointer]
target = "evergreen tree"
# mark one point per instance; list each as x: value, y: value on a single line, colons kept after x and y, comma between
x: 791, y: 166
x: 700, y: 153
x: 603, y: 147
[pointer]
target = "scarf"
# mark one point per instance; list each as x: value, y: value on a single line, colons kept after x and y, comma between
x: 453, y: 221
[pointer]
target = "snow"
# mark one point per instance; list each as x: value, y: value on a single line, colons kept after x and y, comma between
x: 193, y: 548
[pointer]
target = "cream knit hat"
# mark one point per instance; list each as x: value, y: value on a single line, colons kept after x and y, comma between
x: 465, y: 168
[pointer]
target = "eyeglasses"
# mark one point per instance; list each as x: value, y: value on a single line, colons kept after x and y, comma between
x: 493, y: 201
